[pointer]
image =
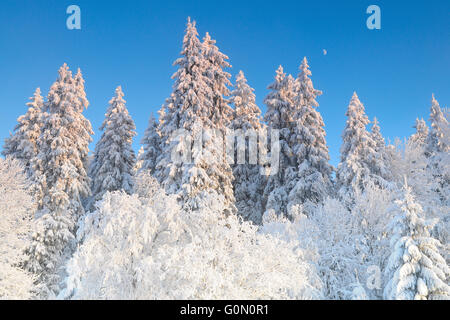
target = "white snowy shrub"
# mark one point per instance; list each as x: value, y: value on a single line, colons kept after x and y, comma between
x: 328, y: 238
x: 137, y: 248
x: 16, y: 208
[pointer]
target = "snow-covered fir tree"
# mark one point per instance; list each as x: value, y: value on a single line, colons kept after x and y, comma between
x: 22, y: 144
x: 216, y: 61
x: 357, y: 150
x: 193, y: 163
x: 436, y: 138
x: 60, y: 166
x: 438, y: 150
x: 416, y: 269
x: 311, y: 182
x: 380, y: 158
x: 421, y: 135
x: 280, y: 110
x: 249, y: 182
x: 114, y: 158
x: 152, y: 145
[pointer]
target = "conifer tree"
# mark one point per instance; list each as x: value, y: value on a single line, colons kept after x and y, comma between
x: 22, y: 145
x: 192, y: 126
x: 415, y: 269
x: 216, y: 61
x: 421, y: 135
x: 114, y: 158
x: 152, y: 145
x: 248, y: 181
x: 439, y: 124
x: 311, y: 182
x: 279, y: 116
x: 60, y: 165
x: 357, y: 150
x: 380, y: 165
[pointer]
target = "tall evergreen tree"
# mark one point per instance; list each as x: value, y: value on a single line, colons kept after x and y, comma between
x: 152, y: 145
x: 357, y: 150
x: 279, y: 116
x: 421, y: 135
x: 436, y: 138
x: 207, y: 179
x: 248, y: 182
x: 438, y: 151
x: 380, y: 160
x: 60, y: 165
x: 22, y: 145
x: 114, y: 158
x: 416, y: 269
x: 311, y: 182
x: 216, y: 61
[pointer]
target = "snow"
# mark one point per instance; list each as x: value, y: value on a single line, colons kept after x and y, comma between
x: 194, y: 216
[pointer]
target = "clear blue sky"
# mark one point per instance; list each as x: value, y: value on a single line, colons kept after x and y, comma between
x: 134, y: 43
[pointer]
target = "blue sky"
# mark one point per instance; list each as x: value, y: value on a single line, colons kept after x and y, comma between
x: 134, y: 43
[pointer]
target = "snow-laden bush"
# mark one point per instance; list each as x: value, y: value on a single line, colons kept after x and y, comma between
x: 16, y: 206
x: 148, y: 248
x: 327, y: 236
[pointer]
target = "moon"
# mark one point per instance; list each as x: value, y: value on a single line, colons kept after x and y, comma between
x: 325, y: 52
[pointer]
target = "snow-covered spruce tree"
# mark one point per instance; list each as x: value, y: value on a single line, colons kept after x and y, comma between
x: 16, y: 208
x: 437, y: 138
x: 380, y: 165
x: 280, y: 110
x: 193, y: 164
x: 416, y: 269
x: 420, y: 137
x: 152, y: 145
x: 357, y: 151
x: 216, y: 61
x: 311, y: 182
x: 438, y: 149
x: 147, y: 247
x: 61, y: 167
x: 22, y: 144
x: 114, y: 158
x: 248, y: 182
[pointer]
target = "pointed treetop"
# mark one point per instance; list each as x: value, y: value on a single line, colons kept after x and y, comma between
x: 280, y: 74
x: 119, y: 92
x: 375, y: 122
x: 241, y: 77
x: 64, y: 72
x: 304, y: 69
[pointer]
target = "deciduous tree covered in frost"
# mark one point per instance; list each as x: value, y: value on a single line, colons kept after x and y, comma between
x: 16, y: 209
x: 146, y: 247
